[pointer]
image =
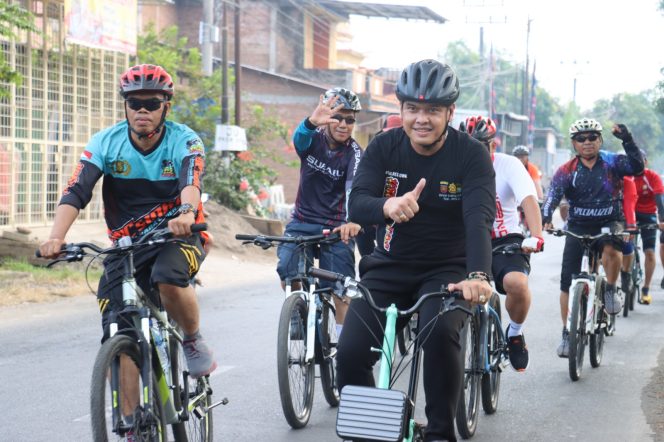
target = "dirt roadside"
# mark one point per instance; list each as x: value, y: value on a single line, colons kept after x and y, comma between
x: 229, y: 261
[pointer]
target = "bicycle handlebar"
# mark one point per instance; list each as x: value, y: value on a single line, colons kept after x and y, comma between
x: 507, y: 249
x: 642, y: 227
x: 266, y: 241
x: 357, y: 290
x: 76, y: 251
x: 560, y: 232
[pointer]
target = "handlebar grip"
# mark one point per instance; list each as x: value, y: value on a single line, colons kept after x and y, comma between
x: 244, y: 237
x: 39, y: 255
x: 200, y: 227
x: 326, y: 275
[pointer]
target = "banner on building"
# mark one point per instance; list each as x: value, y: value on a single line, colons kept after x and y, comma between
x: 104, y: 24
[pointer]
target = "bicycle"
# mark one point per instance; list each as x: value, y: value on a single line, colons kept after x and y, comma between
x: 382, y: 413
x: 636, y: 271
x: 588, y: 321
x: 307, y: 316
x: 142, y: 362
x: 484, y: 335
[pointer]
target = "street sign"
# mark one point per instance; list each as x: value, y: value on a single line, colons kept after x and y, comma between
x: 230, y: 138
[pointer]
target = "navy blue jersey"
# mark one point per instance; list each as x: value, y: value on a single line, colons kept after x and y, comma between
x: 594, y: 195
x: 141, y: 189
x: 326, y: 176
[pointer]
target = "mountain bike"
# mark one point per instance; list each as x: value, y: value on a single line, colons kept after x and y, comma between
x: 382, y: 413
x: 484, y: 349
x: 588, y: 321
x: 307, y: 330
x: 141, y: 366
x: 636, y: 271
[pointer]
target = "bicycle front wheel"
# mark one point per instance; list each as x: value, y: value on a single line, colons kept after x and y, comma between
x: 469, y: 400
x: 495, y: 352
x: 198, y: 425
x: 295, y: 374
x: 328, y: 360
x: 116, y: 408
x: 577, y: 335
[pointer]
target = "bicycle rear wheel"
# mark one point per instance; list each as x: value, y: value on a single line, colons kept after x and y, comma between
x: 577, y: 336
x: 597, y: 336
x: 116, y: 410
x: 296, y: 375
x: 327, y: 356
x: 469, y: 400
x: 198, y: 426
x: 629, y: 301
x: 495, y: 353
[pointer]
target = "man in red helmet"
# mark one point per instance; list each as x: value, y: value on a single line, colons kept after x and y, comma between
x: 514, y: 189
x: 152, y: 171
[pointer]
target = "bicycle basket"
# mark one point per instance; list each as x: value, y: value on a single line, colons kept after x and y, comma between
x: 372, y: 413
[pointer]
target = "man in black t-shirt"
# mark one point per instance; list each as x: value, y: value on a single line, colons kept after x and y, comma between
x: 431, y: 191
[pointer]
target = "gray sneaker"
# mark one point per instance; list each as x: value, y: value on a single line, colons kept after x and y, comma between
x: 612, y: 301
x: 563, y: 348
x: 200, y: 359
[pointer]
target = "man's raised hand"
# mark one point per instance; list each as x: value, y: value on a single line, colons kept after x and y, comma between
x: 323, y: 113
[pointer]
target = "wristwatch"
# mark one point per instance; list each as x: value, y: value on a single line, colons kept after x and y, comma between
x: 186, y: 208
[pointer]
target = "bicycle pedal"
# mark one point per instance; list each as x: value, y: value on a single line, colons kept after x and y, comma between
x: 504, y: 363
x: 224, y: 401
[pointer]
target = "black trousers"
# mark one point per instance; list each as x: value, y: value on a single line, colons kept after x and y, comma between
x: 401, y: 283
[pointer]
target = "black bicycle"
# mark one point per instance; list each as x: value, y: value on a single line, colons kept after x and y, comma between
x: 307, y: 330
x: 636, y: 272
x: 140, y: 382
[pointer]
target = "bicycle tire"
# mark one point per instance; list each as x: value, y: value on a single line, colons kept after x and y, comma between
x: 577, y: 335
x: 199, y: 425
x: 469, y: 400
x: 403, y: 339
x: 102, y: 397
x: 495, y: 352
x: 328, y: 364
x: 296, y: 376
x: 597, y: 337
x: 628, y: 301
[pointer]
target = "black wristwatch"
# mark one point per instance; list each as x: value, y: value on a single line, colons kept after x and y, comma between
x: 186, y: 208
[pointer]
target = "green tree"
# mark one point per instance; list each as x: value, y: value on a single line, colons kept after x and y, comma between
x: 197, y: 104
x: 13, y: 17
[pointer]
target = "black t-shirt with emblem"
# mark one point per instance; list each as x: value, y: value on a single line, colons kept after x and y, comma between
x: 457, y: 205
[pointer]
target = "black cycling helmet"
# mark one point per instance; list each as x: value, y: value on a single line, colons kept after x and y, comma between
x: 520, y: 151
x: 346, y: 97
x: 428, y: 81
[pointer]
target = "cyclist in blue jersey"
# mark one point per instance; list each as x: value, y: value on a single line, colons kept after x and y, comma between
x: 152, y: 170
x: 592, y: 182
x: 328, y: 160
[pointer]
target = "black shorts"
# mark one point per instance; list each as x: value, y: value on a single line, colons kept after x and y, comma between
x: 502, y: 263
x: 174, y: 263
x: 648, y: 237
x: 573, y: 251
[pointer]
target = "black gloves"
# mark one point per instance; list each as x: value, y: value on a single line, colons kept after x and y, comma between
x: 621, y: 132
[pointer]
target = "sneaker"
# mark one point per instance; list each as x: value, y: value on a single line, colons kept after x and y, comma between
x: 200, y: 359
x: 517, y: 351
x: 612, y: 301
x: 645, y: 296
x: 563, y: 348
x: 625, y: 281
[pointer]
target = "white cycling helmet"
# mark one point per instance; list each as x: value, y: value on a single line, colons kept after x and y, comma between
x: 584, y: 125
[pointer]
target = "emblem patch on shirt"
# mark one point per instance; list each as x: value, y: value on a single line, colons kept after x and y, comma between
x: 390, y: 190
x: 195, y: 145
x: 167, y: 169
x: 119, y: 167
x: 449, y: 191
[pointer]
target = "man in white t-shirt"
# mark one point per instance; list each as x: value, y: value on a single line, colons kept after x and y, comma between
x: 514, y: 188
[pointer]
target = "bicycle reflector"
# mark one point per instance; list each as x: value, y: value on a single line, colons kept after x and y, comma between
x: 372, y: 413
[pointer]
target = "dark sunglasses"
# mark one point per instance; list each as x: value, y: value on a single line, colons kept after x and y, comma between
x: 150, y: 105
x: 340, y: 118
x: 583, y: 138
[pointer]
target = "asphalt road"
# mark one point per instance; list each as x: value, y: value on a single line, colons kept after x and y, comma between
x: 47, y: 351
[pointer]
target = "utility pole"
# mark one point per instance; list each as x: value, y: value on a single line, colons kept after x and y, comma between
x: 484, y: 69
x: 238, y: 66
x: 206, y: 31
x: 224, y: 64
x: 525, y: 89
